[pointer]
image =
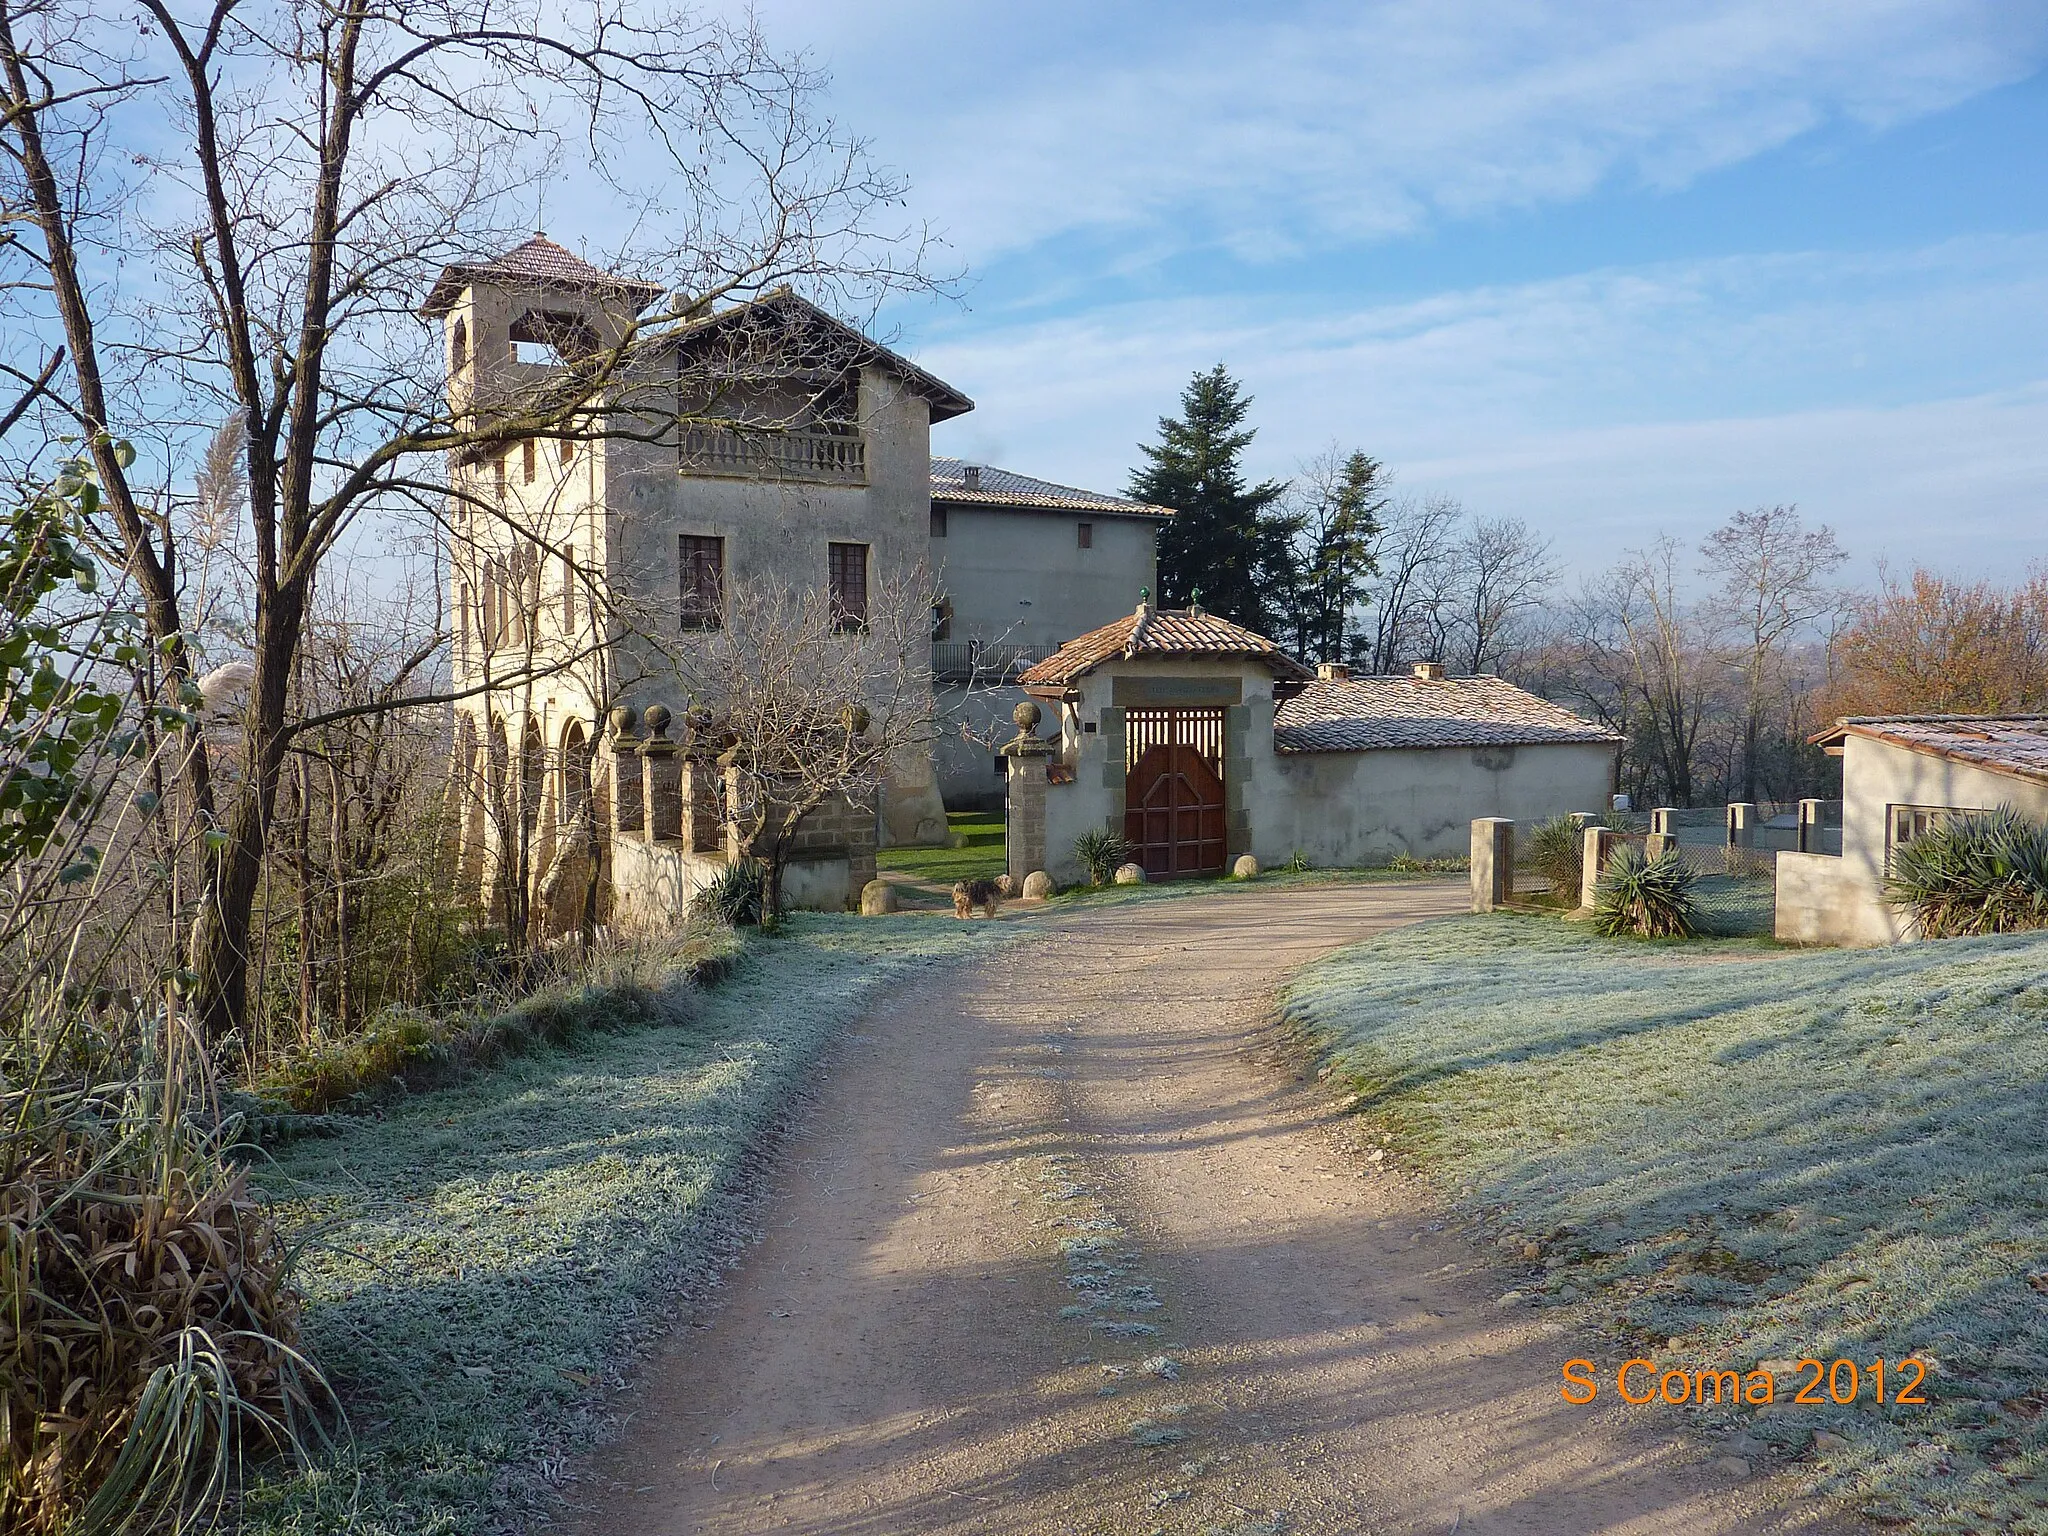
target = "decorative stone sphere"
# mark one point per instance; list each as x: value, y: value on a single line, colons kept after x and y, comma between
x: 624, y: 720
x: 1246, y: 868
x: 657, y: 718
x: 1130, y: 874
x: 1027, y: 715
x: 1037, y: 885
x: 877, y: 899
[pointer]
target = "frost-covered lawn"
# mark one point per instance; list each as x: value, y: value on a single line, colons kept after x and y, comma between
x: 485, y: 1259
x: 1758, y: 1154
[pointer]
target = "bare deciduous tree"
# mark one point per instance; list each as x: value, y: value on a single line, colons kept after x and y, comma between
x: 292, y: 177
x: 810, y: 705
x: 1770, y: 572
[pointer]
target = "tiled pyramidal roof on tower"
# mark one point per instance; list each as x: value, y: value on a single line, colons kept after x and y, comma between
x: 1161, y: 632
x: 537, y: 261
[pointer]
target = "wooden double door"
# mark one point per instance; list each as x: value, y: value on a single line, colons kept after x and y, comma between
x: 1173, y: 792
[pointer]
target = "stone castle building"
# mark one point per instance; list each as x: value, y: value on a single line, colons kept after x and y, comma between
x: 766, y: 443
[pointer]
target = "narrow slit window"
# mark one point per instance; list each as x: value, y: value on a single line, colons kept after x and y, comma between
x: 938, y: 522
x: 847, y: 572
x: 569, y: 587
x: 527, y: 460
x: 703, y: 581
x: 1087, y: 535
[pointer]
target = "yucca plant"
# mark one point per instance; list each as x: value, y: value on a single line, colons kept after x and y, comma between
x: 1974, y: 874
x: 738, y: 895
x: 1649, y: 898
x: 147, y: 1322
x: 1556, y: 850
x: 1101, y: 851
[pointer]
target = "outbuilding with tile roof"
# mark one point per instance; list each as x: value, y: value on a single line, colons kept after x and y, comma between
x: 1903, y: 775
x: 1198, y: 740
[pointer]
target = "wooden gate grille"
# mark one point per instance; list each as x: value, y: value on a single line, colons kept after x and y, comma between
x: 1173, y: 791
x: 1201, y: 729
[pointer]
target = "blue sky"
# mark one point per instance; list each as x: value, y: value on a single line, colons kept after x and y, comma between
x: 1615, y: 268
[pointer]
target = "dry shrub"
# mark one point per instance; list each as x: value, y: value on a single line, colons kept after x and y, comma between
x: 148, y: 1321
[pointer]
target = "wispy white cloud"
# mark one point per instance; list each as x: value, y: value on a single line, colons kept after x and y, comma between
x: 1603, y: 406
x: 1299, y: 126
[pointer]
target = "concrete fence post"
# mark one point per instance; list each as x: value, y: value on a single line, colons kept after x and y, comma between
x: 1664, y: 821
x: 1024, y: 834
x: 628, y: 810
x: 660, y: 768
x: 1600, y: 843
x: 1812, y: 816
x: 1659, y: 843
x: 703, y: 827
x: 1493, y: 863
x: 1742, y: 824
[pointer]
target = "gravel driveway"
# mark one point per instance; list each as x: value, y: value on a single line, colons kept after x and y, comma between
x: 1066, y: 1245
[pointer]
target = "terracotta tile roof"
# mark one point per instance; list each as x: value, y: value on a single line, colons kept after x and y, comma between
x: 538, y: 261
x: 2010, y: 744
x: 1363, y: 714
x: 1161, y: 632
x: 1005, y: 488
x: 841, y: 345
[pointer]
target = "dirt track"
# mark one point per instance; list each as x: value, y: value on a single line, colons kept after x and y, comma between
x: 1091, y: 1124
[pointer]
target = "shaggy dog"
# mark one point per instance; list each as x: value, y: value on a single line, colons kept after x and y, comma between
x: 969, y: 894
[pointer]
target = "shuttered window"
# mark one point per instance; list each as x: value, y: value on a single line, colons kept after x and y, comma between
x: 847, y: 571
x: 703, y: 581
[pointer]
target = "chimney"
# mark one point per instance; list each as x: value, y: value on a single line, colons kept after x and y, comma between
x: 1429, y: 671
x: 1333, y: 672
x: 970, y: 475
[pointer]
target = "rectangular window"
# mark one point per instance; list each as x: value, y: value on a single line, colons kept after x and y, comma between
x: 1087, y: 531
x: 938, y: 522
x: 498, y: 474
x: 847, y: 571
x: 1908, y: 822
x: 568, y: 450
x: 527, y: 458
x: 569, y: 587
x: 703, y: 574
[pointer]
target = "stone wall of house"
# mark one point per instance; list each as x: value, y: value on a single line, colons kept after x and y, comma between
x: 777, y: 532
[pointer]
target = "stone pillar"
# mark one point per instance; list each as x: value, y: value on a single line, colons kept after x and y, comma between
x: 1493, y: 863
x: 1664, y: 820
x: 703, y: 825
x: 1600, y: 844
x: 1742, y: 824
x: 628, y: 813
x: 1812, y: 817
x: 660, y: 769
x: 1024, y: 832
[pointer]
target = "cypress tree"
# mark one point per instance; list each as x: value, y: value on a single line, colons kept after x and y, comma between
x: 1225, y: 540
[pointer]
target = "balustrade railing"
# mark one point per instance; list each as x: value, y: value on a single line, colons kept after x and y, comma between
x: 979, y: 661
x: 837, y: 457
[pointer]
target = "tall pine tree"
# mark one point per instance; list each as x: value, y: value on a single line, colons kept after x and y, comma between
x: 1225, y: 539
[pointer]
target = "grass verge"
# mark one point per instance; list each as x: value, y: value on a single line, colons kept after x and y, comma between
x: 621, y: 984
x: 1734, y: 1153
x: 981, y: 857
x: 482, y: 1263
